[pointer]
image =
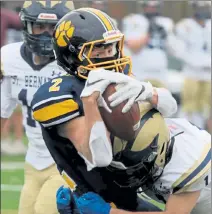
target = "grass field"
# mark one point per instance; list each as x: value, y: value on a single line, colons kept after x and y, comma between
x: 12, y: 179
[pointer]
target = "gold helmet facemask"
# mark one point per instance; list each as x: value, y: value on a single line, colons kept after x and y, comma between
x: 118, y: 62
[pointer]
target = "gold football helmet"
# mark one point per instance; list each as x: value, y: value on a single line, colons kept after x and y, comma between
x: 144, y: 158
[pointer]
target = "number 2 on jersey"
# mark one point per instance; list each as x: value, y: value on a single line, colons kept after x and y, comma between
x: 23, y: 98
x: 55, y: 86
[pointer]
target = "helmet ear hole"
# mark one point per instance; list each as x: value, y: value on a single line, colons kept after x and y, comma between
x: 82, y: 17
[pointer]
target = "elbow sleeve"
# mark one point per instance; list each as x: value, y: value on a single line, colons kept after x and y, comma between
x: 167, y: 105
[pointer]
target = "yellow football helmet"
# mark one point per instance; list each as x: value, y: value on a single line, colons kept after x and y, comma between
x: 145, y: 157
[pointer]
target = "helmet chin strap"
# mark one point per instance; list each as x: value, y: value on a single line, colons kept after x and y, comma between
x: 40, y: 44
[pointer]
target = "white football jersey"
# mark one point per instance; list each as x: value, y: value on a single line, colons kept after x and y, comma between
x: 196, y: 49
x: 151, y: 61
x: 19, y: 84
x: 190, y: 166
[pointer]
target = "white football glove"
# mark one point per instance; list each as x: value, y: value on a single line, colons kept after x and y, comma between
x: 131, y: 89
x: 97, y: 85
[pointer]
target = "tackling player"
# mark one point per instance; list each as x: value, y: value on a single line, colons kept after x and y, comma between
x: 169, y: 158
x: 84, y: 40
x: 184, y: 183
x: 25, y: 66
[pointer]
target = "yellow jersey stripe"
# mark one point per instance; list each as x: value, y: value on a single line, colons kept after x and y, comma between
x: 55, y: 110
x: 101, y: 16
x: 196, y: 171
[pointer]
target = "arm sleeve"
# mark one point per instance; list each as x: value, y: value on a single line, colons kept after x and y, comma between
x: 8, y: 104
x: 167, y: 105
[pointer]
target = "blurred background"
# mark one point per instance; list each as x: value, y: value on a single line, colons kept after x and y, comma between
x: 160, y: 39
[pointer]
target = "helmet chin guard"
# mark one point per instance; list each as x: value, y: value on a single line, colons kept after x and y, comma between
x: 39, y: 44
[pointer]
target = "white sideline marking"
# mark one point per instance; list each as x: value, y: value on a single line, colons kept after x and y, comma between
x: 13, y: 188
x: 12, y: 165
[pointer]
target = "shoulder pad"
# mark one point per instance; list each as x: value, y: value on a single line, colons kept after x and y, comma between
x: 8, y: 51
x: 134, y: 18
x: 183, y: 27
x: 134, y: 25
x: 184, y: 23
x: 58, y: 101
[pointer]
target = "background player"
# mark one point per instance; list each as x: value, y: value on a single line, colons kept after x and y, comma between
x: 194, y: 49
x: 26, y: 66
x: 11, y: 27
x: 146, y: 33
